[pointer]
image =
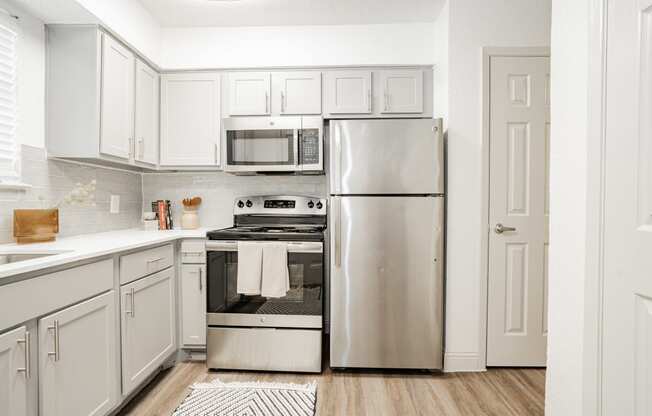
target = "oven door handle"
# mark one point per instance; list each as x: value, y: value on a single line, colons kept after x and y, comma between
x: 293, y: 247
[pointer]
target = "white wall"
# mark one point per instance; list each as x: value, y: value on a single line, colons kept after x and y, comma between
x: 568, y: 206
x: 440, y: 73
x: 131, y: 21
x: 188, y: 48
x: 473, y: 25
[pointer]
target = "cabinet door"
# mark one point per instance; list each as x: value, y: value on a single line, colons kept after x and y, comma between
x: 193, y: 304
x: 148, y: 326
x: 249, y: 93
x: 299, y: 92
x: 77, y: 359
x: 349, y: 92
x: 14, y: 372
x: 147, y: 101
x: 117, y: 108
x: 402, y: 91
x: 190, y: 119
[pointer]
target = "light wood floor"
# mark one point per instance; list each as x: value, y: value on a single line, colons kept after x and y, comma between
x: 500, y: 392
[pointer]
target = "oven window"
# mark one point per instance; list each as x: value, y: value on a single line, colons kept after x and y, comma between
x: 260, y: 147
x: 305, y: 296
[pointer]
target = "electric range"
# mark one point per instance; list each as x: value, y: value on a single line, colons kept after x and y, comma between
x: 270, y: 334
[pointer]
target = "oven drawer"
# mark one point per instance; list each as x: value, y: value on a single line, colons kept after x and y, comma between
x: 142, y: 263
x: 264, y: 349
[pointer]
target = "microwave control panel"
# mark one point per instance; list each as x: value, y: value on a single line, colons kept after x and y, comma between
x: 310, y: 146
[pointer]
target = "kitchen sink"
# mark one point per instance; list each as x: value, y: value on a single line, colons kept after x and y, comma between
x: 7, y: 257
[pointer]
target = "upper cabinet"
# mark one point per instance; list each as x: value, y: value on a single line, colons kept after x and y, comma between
x: 297, y: 92
x: 147, y: 114
x: 349, y: 92
x: 117, y: 92
x: 401, y: 91
x: 190, y: 119
x: 249, y: 93
x: 274, y: 93
x: 101, y: 105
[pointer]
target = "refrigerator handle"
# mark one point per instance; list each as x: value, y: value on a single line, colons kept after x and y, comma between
x: 338, y: 158
x: 338, y: 230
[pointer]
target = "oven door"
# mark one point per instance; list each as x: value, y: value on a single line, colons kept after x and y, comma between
x: 268, y: 144
x: 300, y: 308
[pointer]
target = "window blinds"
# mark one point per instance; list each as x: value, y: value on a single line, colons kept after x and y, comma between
x: 9, y: 168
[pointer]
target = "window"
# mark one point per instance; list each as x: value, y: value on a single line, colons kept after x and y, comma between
x: 9, y: 151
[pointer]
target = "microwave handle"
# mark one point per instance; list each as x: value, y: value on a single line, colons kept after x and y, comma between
x: 297, y: 143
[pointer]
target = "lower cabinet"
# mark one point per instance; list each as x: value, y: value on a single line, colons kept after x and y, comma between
x: 14, y: 372
x: 77, y: 353
x: 148, y: 326
x: 193, y: 305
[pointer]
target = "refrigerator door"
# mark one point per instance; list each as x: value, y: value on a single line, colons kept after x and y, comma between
x: 386, y: 157
x: 386, y: 282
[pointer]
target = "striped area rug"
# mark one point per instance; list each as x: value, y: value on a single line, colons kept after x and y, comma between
x: 249, y: 399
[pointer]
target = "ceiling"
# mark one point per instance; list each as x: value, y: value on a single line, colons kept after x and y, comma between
x: 197, y: 13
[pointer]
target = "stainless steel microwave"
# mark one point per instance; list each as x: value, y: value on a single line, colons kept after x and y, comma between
x: 274, y: 145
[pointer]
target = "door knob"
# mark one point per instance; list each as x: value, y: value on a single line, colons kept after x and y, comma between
x: 501, y: 228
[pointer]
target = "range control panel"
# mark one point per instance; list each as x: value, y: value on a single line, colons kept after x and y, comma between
x: 286, y: 205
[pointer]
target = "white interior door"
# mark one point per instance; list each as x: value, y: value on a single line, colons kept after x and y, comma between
x: 518, y: 253
x: 117, y: 123
x: 627, y: 308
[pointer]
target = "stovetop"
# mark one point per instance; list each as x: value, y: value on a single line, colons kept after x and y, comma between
x: 263, y: 233
x: 275, y: 218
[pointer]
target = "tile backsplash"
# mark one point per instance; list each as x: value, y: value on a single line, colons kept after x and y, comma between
x: 52, y: 180
x: 218, y: 190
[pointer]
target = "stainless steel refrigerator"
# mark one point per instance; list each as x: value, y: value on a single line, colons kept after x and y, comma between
x: 386, y: 185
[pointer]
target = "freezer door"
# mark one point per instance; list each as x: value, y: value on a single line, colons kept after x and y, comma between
x: 386, y: 282
x: 386, y: 157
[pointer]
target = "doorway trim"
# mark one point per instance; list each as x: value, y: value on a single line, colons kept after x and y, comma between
x: 488, y: 53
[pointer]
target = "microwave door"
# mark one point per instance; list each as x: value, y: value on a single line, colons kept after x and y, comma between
x: 311, y: 145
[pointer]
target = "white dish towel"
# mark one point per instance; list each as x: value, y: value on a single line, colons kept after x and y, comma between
x: 276, y: 279
x: 250, y: 263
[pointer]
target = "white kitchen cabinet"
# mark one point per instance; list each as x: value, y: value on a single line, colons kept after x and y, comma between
x: 193, y: 304
x: 146, y: 114
x: 77, y: 355
x: 14, y: 372
x: 297, y: 92
x: 401, y: 91
x: 249, y: 93
x: 349, y: 92
x: 190, y: 119
x: 116, y: 127
x: 148, y: 326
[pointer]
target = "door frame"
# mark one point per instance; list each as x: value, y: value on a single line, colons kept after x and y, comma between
x: 487, y: 54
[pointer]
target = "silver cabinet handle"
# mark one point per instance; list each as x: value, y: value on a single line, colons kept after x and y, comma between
x: 386, y: 101
x: 200, y: 284
x: 282, y: 102
x: 499, y: 229
x: 55, y: 329
x: 217, y: 152
x: 132, y: 150
x: 26, y: 370
x: 141, y: 146
x: 266, y: 102
x: 338, y: 231
x: 369, y: 99
x: 154, y: 260
x: 131, y: 302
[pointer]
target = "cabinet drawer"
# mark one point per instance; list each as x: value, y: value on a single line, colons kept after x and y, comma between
x: 266, y: 349
x: 193, y: 251
x: 140, y: 264
x: 31, y: 298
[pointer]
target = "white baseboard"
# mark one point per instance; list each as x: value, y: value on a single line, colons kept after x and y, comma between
x: 455, y: 362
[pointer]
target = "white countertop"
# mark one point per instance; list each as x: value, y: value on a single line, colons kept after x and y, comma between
x: 83, y: 247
